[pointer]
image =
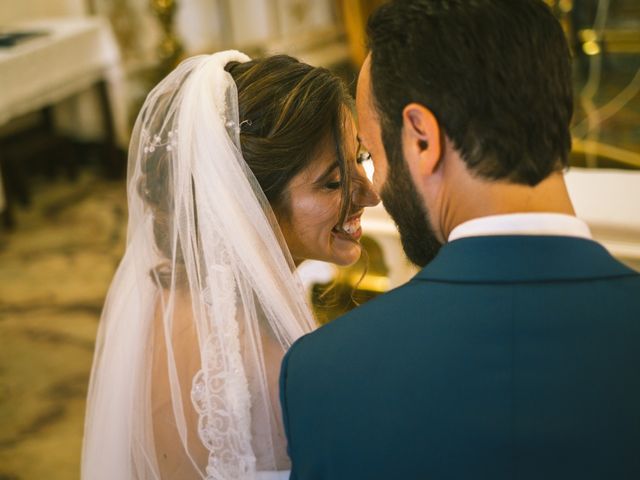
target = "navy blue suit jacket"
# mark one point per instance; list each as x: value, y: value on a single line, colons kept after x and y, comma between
x: 510, y: 357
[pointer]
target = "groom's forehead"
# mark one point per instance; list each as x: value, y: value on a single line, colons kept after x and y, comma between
x: 365, y: 103
x: 363, y: 87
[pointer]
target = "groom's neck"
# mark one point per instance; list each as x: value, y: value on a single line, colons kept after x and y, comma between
x: 471, y: 197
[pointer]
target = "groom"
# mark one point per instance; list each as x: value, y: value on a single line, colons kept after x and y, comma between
x: 515, y: 352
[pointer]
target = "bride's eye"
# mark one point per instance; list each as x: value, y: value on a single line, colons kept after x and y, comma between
x: 333, y: 185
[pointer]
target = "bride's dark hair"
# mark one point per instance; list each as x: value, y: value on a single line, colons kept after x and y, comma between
x: 287, y: 111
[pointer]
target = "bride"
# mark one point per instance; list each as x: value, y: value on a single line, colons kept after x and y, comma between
x: 239, y: 170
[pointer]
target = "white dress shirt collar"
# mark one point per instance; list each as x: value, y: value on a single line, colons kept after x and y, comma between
x: 523, y: 224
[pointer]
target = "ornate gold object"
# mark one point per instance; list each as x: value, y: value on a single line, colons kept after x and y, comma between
x: 299, y: 10
x: 126, y: 26
x: 354, y: 16
x: 170, y: 48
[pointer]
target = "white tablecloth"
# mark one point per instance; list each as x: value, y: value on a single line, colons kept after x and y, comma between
x: 44, y: 70
x: 41, y: 71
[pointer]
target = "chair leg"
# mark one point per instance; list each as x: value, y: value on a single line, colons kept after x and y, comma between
x: 7, y: 218
x: 114, y: 161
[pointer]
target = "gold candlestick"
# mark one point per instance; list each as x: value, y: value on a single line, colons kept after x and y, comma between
x: 170, y: 48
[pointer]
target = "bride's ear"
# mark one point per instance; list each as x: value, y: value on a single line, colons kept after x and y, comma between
x: 421, y: 140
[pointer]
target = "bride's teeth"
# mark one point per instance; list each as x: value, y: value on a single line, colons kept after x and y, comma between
x: 351, y: 226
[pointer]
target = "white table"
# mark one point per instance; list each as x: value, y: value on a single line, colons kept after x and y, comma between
x: 76, y: 53
x: 609, y: 201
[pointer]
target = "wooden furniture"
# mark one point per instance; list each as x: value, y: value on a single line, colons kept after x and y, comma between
x: 72, y: 55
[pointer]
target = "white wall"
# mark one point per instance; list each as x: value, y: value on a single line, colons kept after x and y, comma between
x: 198, y: 24
x: 301, y: 16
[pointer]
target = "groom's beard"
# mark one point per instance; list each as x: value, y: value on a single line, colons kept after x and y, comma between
x: 401, y: 199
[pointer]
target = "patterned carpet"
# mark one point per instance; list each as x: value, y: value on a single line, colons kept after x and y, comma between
x: 54, y: 272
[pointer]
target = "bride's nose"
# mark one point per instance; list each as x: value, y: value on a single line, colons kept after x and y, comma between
x: 363, y: 194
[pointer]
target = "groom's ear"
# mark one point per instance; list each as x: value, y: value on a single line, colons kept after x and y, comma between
x: 421, y: 140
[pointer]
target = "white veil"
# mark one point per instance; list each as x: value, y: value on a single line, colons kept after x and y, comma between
x: 204, y: 302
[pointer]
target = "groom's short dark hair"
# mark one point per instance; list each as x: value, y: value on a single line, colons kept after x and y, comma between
x: 496, y: 74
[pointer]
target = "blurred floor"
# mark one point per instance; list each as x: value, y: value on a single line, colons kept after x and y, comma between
x: 54, y: 272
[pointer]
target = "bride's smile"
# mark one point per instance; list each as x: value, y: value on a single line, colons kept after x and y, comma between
x: 350, y: 229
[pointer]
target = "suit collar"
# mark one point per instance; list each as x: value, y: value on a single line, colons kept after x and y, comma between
x: 522, y: 258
